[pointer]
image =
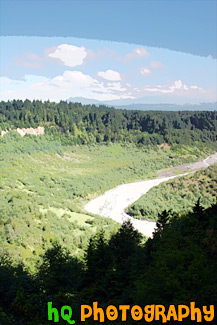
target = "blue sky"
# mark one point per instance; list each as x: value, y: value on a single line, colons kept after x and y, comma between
x: 159, y: 51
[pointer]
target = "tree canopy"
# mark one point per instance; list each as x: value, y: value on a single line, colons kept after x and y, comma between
x: 89, y: 123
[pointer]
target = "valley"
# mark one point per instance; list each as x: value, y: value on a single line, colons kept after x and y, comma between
x: 113, y: 203
x: 84, y: 151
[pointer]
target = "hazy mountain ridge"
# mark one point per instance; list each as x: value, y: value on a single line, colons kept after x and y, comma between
x: 140, y: 104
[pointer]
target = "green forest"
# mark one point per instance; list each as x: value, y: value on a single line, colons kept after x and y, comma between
x: 52, y: 249
x: 83, y: 124
x: 177, y: 266
x: 179, y: 195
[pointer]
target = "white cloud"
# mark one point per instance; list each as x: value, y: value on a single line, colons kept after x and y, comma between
x: 110, y: 75
x: 115, y: 86
x: 145, y: 71
x: 61, y: 87
x: 178, y: 85
x: 137, y: 53
x: 77, y: 84
x: 179, y: 91
x: 76, y: 78
x: 70, y: 55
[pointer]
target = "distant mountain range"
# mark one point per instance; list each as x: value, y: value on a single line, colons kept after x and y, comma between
x: 139, y: 104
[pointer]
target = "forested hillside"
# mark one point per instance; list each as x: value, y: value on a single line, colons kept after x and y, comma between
x: 89, y: 124
x: 175, y: 267
x: 178, y: 195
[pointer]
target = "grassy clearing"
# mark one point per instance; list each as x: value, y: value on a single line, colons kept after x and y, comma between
x: 82, y: 219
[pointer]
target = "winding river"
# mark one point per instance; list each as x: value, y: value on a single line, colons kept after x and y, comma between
x: 112, y: 204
